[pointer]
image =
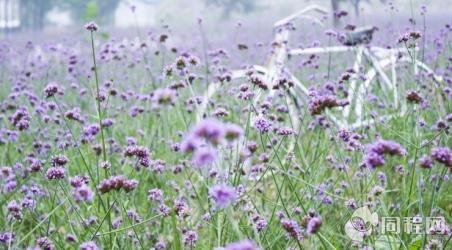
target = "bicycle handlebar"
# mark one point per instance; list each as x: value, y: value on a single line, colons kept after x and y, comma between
x: 298, y: 14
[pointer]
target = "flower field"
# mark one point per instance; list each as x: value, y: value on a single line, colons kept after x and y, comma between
x: 162, y: 141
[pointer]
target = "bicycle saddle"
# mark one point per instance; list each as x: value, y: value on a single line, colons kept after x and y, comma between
x: 362, y: 35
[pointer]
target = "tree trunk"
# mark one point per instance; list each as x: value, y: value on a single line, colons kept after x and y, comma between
x: 356, y: 7
x: 41, y: 15
x: 7, y: 16
x: 335, y: 7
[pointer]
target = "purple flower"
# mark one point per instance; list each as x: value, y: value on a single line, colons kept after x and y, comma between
x: 426, y: 162
x: 210, y: 129
x: 45, y: 243
x: 351, y: 204
x: 83, y: 193
x: 91, y: 130
x: 74, y: 114
x: 133, y: 215
x: 442, y: 155
x: 409, y: 35
x: 29, y: 203
x: 71, y: 238
x: 160, y: 245
x: 373, y: 160
x: 55, y: 173
x: 21, y: 119
x: 219, y: 112
x: 340, y: 13
x: 13, y: 206
x: 164, y: 97
x: 164, y: 210
x: 89, y: 245
x: 387, y: 147
x: 377, y: 190
x: 91, y: 26
x: 10, y: 186
x: 129, y: 185
x: 375, y: 152
x: 155, y: 195
x: 292, y: 228
x: 78, y: 181
x: 262, y: 124
x: 204, y: 156
x: 107, y: 123
x: 222, y: 195
x: 190, y: 238
x: 138, y: 151
x: 59, y: 161
x: 190, y: 144
x: 232, y: 132
x: 314, y: 225
x: 318, y: 103
x: 105, y: 165
x: 15, y: 209
x: 116, y: 183
x: 414, y: 97
x: 285, y: 131
x: 141, y: 153
x: 7, y: 237
x: 241, y: 245
x: 51, y: 89
x: 261, y: 224
x: 259, y: 81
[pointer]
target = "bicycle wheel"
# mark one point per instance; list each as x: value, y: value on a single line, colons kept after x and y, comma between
x: 382, y: 94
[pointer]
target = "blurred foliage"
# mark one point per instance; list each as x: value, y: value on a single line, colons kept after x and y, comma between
x: 91, y: 11
x: 101, y: 11
x: 33, y: 12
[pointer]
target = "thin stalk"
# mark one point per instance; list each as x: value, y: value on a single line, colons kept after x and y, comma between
x: 99, y: 113
x: 104, y: 153
x: 129, y: 227
x: 436, y: 187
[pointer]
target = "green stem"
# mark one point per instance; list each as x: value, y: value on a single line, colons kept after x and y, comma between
x: 104, y: 153
x: 412, y: 176
x: 99, y: 113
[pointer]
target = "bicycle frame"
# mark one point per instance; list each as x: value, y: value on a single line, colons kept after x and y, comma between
x: 379, y: 58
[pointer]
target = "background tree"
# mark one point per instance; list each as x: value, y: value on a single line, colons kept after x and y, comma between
x: 81, y: 11
x: 33, y: 12
x: 229, y: 6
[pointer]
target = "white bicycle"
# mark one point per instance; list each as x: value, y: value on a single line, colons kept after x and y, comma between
x: 381, y: 78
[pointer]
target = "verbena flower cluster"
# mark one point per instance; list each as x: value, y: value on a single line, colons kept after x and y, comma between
x: 375, y: 152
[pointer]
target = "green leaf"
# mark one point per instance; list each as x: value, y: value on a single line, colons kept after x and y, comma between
x: 104, y: 35
x: 91, y: 11
x: 415, y: 245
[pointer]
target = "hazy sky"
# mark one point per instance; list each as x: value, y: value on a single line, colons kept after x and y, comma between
x: 183, y: 11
